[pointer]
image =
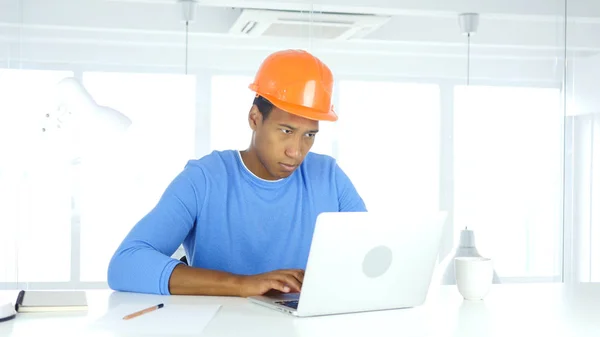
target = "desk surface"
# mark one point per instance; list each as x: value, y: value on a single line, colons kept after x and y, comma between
x: 510, y: 310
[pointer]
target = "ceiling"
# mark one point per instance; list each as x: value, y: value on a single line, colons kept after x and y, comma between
x: 514, y: 36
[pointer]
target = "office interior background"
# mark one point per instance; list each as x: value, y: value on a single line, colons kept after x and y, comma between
x: 501, y: 129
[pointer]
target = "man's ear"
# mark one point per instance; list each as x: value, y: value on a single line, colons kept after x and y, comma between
x: 254, y: 117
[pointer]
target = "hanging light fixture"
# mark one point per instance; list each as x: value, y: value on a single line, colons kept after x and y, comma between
x: 188, y: 13
x: 466, y: 248
x: 468, y: 23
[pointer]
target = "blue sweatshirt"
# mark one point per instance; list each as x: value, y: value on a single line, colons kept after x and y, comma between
x: 230, y: 220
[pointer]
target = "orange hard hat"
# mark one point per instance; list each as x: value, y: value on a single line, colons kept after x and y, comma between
x: 296, y: 82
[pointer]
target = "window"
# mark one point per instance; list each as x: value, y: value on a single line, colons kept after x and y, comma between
x: 508, y: 149
x: 231, y: 100
x: 121, y: 181
x: 35, y: 199
x: 594, y: 227
x: 326, y: 138
x: 582, y: 256
x: 389, y: 140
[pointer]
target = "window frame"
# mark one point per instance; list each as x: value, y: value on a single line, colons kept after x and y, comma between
x: 446, y: 85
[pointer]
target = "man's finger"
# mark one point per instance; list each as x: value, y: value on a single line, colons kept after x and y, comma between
x: 297, y: 273
x: 300, y: 275
x: 290, y: 280
x: 279, y: 285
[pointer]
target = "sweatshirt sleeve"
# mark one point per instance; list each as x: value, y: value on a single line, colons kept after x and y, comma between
x: 348, y: 197
x: 143, y: 262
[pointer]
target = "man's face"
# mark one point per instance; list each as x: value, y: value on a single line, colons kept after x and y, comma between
x: 282, y: 140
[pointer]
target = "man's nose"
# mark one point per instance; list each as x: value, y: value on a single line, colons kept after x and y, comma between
x: 293, y: 150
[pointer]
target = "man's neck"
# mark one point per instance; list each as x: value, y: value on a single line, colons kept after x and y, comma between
x: 250, y: 159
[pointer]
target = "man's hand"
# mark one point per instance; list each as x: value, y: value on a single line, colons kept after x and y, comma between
x: 286, y: 280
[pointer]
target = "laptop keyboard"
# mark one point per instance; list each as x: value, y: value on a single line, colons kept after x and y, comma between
x: 292, y: 304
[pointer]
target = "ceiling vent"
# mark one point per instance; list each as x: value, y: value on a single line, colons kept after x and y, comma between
x: 289, y: 24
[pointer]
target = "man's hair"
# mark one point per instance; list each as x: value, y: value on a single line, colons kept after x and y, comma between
x: 264, y: 106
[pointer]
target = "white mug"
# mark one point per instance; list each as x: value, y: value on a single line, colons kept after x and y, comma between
x: 474, y: 276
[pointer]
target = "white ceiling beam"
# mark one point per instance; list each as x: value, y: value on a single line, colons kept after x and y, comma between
x: 503, y: 40
x: 417, y: 66
x: 87, y: 39
x: 576, y: 8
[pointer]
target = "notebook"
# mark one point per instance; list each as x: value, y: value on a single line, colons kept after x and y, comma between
x: 50, y: 300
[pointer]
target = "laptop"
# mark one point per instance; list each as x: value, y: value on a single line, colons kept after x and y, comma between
x: 365, y: 261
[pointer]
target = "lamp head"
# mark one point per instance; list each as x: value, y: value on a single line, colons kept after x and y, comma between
x: 73, y: 101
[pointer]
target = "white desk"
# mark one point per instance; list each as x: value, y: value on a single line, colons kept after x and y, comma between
x: 509, y: 310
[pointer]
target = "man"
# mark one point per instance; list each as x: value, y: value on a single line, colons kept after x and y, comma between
x: 245, y: 218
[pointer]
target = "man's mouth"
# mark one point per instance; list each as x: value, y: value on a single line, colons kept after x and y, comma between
x: 287, y: 167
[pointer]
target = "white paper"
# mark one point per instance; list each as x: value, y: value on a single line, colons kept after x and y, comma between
x: 171, y: 319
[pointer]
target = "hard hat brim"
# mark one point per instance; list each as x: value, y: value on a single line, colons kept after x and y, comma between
x: 303, y: 111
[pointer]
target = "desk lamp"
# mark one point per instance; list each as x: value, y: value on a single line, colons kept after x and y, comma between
x: 73, y: 101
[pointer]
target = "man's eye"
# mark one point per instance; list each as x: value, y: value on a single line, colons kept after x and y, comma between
x: 311, y: 135
x: 286, y: 131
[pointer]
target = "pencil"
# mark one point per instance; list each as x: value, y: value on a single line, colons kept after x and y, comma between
x: 144, y: 311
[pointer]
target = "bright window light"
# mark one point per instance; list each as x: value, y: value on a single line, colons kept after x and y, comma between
x: 231, y: 101
x: 35, y: 195
x: 121, y: 182
x: 389, y: 143
x: 508, y: 176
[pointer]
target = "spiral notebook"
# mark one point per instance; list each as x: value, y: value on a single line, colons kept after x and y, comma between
x: 50, y: 300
